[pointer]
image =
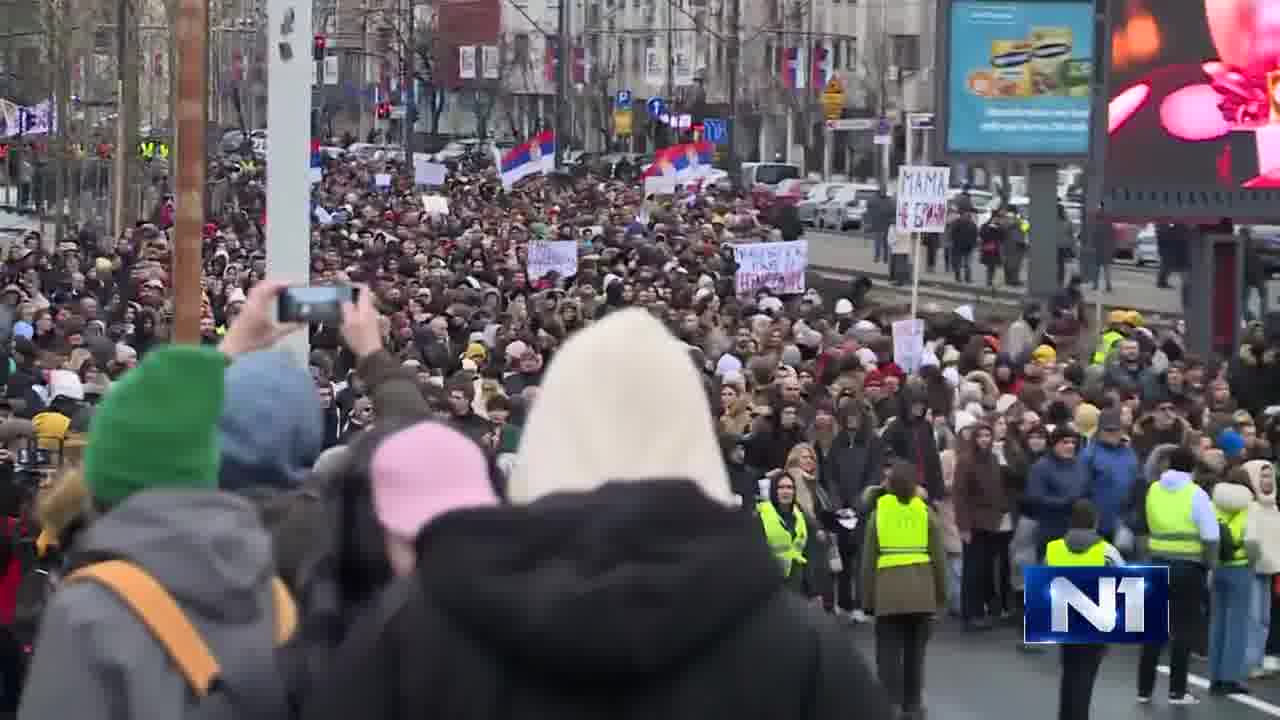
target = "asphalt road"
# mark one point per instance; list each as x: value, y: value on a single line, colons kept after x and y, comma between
x: 984, y: 676
x: 1134, y: 287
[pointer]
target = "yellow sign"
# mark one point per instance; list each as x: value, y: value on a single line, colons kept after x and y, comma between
x: 151, y: 150
x: 833, y: 99
x: 622, y: 122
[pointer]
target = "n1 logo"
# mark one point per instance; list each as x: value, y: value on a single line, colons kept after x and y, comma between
x: 1111, y: 605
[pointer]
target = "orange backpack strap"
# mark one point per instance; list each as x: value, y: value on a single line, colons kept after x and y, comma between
x: 156, y: 608
x: 286, y: 611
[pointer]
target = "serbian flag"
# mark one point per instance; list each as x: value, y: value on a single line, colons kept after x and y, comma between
x: 792, y: 68
x: 681, y: 162
x: 534, y: 157
x: 822, y: 70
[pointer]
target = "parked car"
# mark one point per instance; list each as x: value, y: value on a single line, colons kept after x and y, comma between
x: 1267, y: 240
x: 1145, y: 249
x: 769, y: 174
x: 847, y: 207
x: 818, y: 195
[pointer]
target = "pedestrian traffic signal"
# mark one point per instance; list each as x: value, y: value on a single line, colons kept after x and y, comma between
x: 383, y: 111
x: 321, y: 44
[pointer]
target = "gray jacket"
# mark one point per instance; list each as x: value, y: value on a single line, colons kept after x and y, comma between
x: 94, y: 659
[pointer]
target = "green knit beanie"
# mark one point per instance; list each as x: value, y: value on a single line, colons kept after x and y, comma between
x: 157, y: 428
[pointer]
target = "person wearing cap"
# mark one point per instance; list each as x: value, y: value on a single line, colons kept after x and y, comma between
x: 151, y: 470
x: 1024, y: 334
x: 1081, y: 546
x: 1112, y: 470
x: 1177, y: 527
x: 1117, y: 329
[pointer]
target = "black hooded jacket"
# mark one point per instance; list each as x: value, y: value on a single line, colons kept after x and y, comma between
x: 638, y: 600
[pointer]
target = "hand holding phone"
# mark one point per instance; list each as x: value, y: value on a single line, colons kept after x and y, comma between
x: 320, y: 304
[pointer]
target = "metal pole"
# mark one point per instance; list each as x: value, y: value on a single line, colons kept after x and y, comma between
x: 564, y: 55
x: 289, y: 66
x: 192, y: 112
x: 364, y: 71
x: 915, y: 273
x: 409, y: 93
x: 119, y: 193
x: 735, y: 169
x: 671, y: 57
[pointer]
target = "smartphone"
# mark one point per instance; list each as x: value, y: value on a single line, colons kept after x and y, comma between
x: 320, y: 304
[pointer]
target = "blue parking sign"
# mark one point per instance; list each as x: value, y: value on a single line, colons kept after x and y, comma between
x: 715, y: 131
x: 624, y: 100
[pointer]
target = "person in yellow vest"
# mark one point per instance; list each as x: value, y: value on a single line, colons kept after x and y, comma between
x: 1231, y: 588
x: 904, y: 576
x: 1177, y: 527
x: 1117, y: 330
x: 789, y: 534
x: 1082, y: 546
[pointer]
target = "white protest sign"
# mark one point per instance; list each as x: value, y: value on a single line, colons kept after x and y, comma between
x: 778, y: 267
x: 560, y: 256
x: 323, y: 216
x: 908, y: 344
x: 435, y: 204
x: 382, y: 180
x: 426, y: 172
x: 660, y: 185
x: 316, y: 175
x: 922, y: 198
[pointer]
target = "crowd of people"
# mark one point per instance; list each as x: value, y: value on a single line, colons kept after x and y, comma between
x: 495, y: 492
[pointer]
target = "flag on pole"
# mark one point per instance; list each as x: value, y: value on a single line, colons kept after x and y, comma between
x: 534, y: 157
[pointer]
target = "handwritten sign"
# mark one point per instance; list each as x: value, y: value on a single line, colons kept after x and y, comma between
x: 778, y: 267
x: 382, y: 180
x: 559, y: 256
x: 908, y: 344
x: 922, y: 198
x: 426, y: 172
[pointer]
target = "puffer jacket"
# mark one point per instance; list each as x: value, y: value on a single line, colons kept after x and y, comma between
x: 1262, y: 531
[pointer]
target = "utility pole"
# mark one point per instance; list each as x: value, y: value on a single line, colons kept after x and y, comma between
x: 192, y: 111
x: 735, y: 169
x: 60, y: 45
x: 365, y: 123
x: 120, y: 165
x: 564, y: 75
x: 671, y: 60
x: 409, y: 91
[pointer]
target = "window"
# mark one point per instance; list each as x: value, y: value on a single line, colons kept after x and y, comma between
x: 637, y: 54
x: 837, y: 52
x: 851, y: 54
x: 619, y: 60
x: 769, y: 61
x: 520, y: 49
x: 906, y: 52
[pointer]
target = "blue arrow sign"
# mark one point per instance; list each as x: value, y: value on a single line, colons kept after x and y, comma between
x: 715, y: 130
x: 624, y: 100
x: 655, y: 106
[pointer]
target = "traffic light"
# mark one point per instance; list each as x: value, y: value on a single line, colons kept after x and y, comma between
x: 321, y: 44
x: 383, y: 110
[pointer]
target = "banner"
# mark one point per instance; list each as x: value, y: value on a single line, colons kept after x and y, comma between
x: 778, y: 267
x: 922, y: 198
x: 559, y: 256
x: 467, y: 62
x: 654, y: 73
x: 908, y: 344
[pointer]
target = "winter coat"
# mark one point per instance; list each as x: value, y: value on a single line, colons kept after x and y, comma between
x: 981, y: 500
x: 1229, y: 500
x: 856, y: 462
x: 1110, y: 474
x: 1262, y: 531
x: 906, y: 588
x: 913, y: 441
x: 1052, y: 487
x: 644, y: 597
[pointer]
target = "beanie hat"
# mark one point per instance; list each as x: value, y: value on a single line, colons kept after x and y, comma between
x: 158, y: 427
x: 1044, y: 354
x: 1182, y: 459
x: 408, y: 494
x: 1231, y: 443
x: 1086, y: 418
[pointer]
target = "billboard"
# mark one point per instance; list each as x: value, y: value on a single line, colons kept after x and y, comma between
x: 1017, y: 78
x: 1193, y: 121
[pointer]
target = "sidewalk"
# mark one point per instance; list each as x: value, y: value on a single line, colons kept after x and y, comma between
x: 849, y: 254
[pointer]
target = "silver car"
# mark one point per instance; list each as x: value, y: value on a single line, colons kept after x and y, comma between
x: 846, y: 207
x: 818, y: 195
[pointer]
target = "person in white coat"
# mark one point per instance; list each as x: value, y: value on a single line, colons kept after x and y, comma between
x: 1262, y: 539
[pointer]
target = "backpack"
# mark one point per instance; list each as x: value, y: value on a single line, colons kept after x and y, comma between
x: 152, y: 604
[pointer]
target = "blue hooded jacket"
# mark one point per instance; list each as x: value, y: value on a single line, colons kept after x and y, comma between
x: 271, y: 426
x: 1109, y: 476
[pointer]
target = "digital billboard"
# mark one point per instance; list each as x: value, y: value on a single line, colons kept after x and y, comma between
x: 1017, y: 78
x: 1193, y: 117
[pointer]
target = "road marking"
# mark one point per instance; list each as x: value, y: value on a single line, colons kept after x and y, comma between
x: 1249, y: 700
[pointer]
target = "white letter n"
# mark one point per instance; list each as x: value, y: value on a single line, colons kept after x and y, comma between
x: 1101, y: 615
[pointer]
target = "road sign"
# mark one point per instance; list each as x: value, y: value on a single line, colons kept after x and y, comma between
x: 920, y: 121
x: 715, y: 130
x: 858, y: 124
x: 624, y: 100
x: 833, y: 99
x: 655, y: 106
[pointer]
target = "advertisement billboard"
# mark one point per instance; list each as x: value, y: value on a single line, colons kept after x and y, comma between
x: 1017, y: 80
x: 1193, y: 121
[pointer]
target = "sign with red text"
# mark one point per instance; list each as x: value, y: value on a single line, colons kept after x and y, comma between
x: 778, y: 267
x: 922, y: 198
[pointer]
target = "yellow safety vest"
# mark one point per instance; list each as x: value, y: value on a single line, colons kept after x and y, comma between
x: 902, y: 530
x: 787, y: 546
x: 1174, y: 534
x: 1235, y: 523
x: 1105, y: 343
x: 1058, y: 554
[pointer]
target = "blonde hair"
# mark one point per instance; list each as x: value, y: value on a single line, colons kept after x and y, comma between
x: 804, y: 486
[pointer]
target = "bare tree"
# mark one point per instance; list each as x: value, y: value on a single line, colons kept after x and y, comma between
x: 873, y: 84
x: 66, y: 28
x: 599, y: 100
